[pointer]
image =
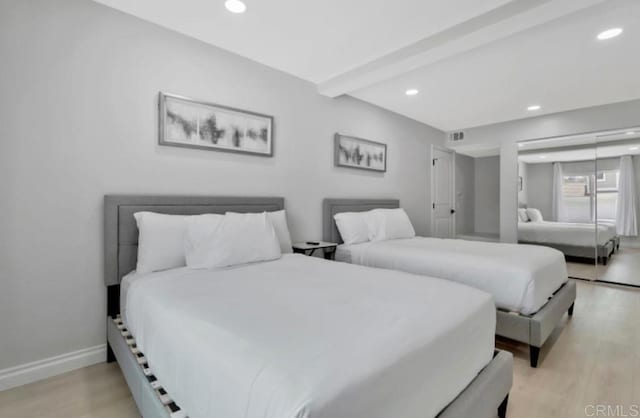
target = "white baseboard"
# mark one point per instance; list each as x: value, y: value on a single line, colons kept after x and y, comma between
x: 52, y: 366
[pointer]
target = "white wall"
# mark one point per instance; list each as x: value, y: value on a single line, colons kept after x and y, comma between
x: 523, y: 172
x: 465, y: 194
x: 540, y: 188
x: 635, y: 242
x: 79, y: 89
x: 505, y: 135
x: 487, y: 195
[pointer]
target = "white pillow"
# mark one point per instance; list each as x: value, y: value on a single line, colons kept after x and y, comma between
x: 279, y: 221
x: 239, y: 238
x: 200, y: 230
x: 385, y: 224
x: 352, y: 227
x: 522, y: 215
x: 534, y: 215
x: 160, y: 241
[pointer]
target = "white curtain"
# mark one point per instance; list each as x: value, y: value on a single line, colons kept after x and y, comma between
x: 557, y: 201
x: 626, y: 215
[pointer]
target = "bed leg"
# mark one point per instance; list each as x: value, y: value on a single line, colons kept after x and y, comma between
x: 570, y: 311
x: 502, y: 409
x: 534, y: 353
x: 110, y: 356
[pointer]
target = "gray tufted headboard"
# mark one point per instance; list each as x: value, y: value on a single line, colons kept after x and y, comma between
x: 330, y: 207
x: 121, y: 231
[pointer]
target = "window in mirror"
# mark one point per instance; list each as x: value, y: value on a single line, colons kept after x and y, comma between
x: 607, y: 187
x: 578, y: 199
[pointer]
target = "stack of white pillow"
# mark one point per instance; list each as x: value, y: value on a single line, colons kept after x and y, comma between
x: 209, y: 241
x: 374, y: 225
x: 530, y: 215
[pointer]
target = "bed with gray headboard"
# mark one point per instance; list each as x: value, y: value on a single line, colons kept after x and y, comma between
x: 530, y: 329
x: 600, y: 252
x: 120, y: 257
x: 489, y: 389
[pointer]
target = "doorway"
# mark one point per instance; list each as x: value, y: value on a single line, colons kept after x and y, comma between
x: 443, y: 214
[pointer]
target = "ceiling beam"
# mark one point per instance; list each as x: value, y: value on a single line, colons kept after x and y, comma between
x: 509, y: 19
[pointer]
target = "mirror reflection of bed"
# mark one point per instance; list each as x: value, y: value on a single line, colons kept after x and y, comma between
x: 579, y: 194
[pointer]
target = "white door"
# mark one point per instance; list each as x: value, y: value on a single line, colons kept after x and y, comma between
x: 443, y: 212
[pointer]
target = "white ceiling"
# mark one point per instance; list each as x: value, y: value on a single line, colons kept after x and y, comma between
x: 475, y: 62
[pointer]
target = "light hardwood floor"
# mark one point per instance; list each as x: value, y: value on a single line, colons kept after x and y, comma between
x: 623, y: 267
x: 594, y: 358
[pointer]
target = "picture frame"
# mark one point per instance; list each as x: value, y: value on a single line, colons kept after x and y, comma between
x: 359, y: 153
x: 190, y: 123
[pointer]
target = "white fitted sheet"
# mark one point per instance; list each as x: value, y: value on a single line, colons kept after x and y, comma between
x: 125, y: 283
x: 565, y: 233
x: 302, y: 337
x: 521, y: 278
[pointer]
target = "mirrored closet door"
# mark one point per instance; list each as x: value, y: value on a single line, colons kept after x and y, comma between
x: 617, y: 181
x: 580, y: 194
x: 557, y: 200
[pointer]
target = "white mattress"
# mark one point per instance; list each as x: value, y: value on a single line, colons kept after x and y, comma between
x: 564, y: 233
x: 521, y: 278
x: 303, y: 337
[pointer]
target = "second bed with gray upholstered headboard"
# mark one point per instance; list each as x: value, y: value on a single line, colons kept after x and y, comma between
x: 539, y: 299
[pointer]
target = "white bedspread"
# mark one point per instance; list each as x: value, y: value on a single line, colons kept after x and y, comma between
x: 303, y: 337
x: 564, y: 233
x: 521, y: 278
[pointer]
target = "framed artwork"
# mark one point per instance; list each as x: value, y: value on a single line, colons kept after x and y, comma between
x: 360, y: 153
x: 191, y: 123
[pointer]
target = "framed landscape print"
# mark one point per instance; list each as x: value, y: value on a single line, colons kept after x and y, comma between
x: 360, y: 153
x: 194, y: 124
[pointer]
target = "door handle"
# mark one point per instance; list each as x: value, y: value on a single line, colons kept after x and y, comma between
x: 453, y: 211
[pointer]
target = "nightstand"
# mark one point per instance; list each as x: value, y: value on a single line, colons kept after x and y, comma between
x: 328, y: 248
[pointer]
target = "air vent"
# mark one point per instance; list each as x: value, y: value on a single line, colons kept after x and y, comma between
x: 456, y: 136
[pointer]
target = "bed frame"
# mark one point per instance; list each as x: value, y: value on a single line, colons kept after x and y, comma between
x: 603, y: 251
x: 533, y: 330
x: 485, y: 394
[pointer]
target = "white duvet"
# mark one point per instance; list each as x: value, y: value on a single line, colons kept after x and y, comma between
x: 565, y: 233
x: 521, y: 278
x: 303, y: 337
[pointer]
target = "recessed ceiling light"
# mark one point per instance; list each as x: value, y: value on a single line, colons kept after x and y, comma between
x: 630, y: 133
x: 534, y: 107
x: 543, y: 157
x: 235, y: 6
x: 634, y: 148
x: 609, y: 33
x: 411, y: 92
